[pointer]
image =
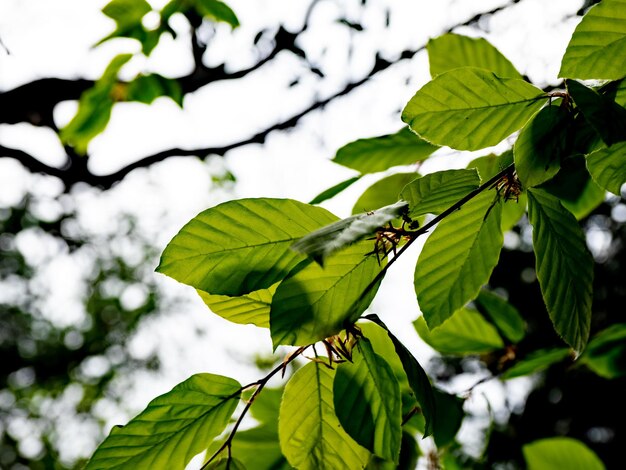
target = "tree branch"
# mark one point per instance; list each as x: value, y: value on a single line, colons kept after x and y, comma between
x: 38, y: 109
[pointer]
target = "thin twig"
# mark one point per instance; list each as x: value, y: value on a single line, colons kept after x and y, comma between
x: 260, y: 384
x: 425, y: 228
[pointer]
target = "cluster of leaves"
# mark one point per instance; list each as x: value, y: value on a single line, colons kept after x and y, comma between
x: 309, y: 277
x: 96, y: 104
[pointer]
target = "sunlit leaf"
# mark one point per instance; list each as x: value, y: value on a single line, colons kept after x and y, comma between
x: 452, y: 51
x: 458, y: 257
x: 216, y: 11
x: 381, y: 153
x: 608, y: 167
x: 606, y: 117
x: 147, y: 88
x: 502, y: 314
x: 311, y: 437
x: 418, y: 380
x: 436, y: 192
x: 94, y: 108
x: 318, y: 302
x: 252, y: 308
x: 173, y: 428
x: 606, y: 352
x: 470, y: 108
x: 541, y: 145
x: 385, y: 191
x: 367, y: 402
x: 322, y: 243
x: 558, y: 453
x: 465, y: 332
x: 226, y: 463
x: 597, y: 49
x: 490, y: 165
x: 562, y: 254
x: 536, y: 362
x: 128, y: 15
x: 241, y: 246
x: 332, y: 192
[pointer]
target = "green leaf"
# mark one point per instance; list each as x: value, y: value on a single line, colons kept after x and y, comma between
x: 541, y: 145
x: 418, y: 380
x: 608, y: 167
x: 575, y: 188
x: 558, y: 453
x: 470, y: 108
x: 597, y: 49
x: 436, y: 192
x: 606, y: 352
x: 173, y: 428
x: 502, y: 314
x: 318, y: 302
x: 452, y: 51
x: 147, y: 88
x: 216, y: 11
x: 252, y: 308
x: 384, y: 192
x: 322, y: 243
x: 536, y: 362
x: 562, y: 255
x: 226, y: 464
x: 94, y: 108
x: 465, y: 332
x: 311, y: 437
x: 606, y: 117
x: 449, y: 417
x: 381, y: 153
x: 332, y: 192
x: 458, y: 257
x: 367, y: 402
x: 241, y: 246
x: 128, y: 15
x: 267, y: 405
x: 490, y: 165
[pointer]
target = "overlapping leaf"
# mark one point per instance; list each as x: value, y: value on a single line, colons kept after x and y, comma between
x: 381, y: 153
x: 564, y: 267
x: 384, y: 192
x: 452, y: 51
x: 470, y: 108
x: 465, y: 332
x: 489, y: 166
x: 332, y: 192
x: 541, y: 145
x: 502, y: 314
x: 597, y: 49
x: 606, y: 117
x: 575, y: 188
x: 322, y: 243
x: 558, y: 453
x: 311, y: 437
x: 608, y: 167
x: 367, y: 402
x: 252, y: 308
x: 318, y: 302
x: 439, y: 190
x: 606, y: 352
x: 416, y: 376
x: 449, y: 417
x: 241, y: 246
x: 536, y: 362
x: 173, y: 428
x: 458, y: 257
x: 147, y: 88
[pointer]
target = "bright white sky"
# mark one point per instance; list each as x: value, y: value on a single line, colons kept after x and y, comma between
x: 54, y: 39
